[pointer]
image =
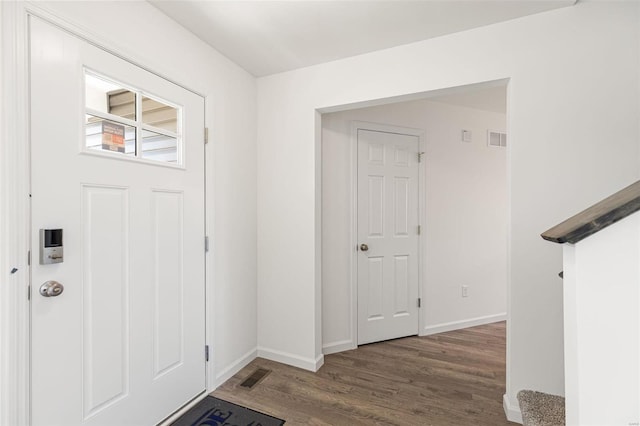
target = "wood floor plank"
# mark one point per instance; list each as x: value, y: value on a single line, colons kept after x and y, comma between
x: 449, y: 379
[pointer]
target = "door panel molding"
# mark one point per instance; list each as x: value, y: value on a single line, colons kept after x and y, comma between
x: 106, y: 365
x: 352, y: 343
x: 168, y: 227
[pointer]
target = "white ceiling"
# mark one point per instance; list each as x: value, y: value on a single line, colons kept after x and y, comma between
x: 489, y: 99
x: 268, y: 37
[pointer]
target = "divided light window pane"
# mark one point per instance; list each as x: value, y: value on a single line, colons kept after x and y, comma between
x: 108, y: 97
x: 156, y: 146
x: 105, y: 135
x: 160, y: 115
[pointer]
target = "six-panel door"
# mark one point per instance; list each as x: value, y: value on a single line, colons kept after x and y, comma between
x: 388, y: 227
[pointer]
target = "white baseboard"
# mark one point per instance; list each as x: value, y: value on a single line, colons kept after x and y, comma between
x: 319, y: 362
x: 458, y: 325
x: 236, y: 366
x: 510, y: 410
x: 341, y: 346
x: 291, y: 359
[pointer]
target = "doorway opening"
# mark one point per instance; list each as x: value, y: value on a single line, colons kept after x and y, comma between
x: 463, y: 222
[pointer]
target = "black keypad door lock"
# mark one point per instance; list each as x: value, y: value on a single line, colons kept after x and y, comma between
x: 51, y: 247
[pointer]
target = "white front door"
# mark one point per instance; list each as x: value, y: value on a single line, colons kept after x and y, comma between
x: 118, y: 166
x: 388, y: 241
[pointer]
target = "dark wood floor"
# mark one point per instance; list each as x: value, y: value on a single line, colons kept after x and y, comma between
x: 455, y: 378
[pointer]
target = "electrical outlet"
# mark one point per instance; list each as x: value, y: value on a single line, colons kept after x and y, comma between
x: 465, y: 291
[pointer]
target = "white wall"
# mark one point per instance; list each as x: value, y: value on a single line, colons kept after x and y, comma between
x: 465, y: 221
x: 140, y: 32
x: 573, y: 126
x: 602, y: 326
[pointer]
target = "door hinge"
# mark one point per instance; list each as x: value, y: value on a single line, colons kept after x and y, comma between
x: 419, y: 302
x: 29, y: 258
x: 206, y: 135
x: 419, y: 229
x: 420, y: 154
x: 28, y: 292
x: 206, y: 244
x: 206, y: 353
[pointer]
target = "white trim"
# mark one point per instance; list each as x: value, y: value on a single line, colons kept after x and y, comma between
x: 108, y: 116
x: 510, y: 410
x: 353, y: 261
x: 422, y: 221
x: 319, y: 362
x: 317, y: 296
x: 235, y: 366
x: 291, y: 359
x: 353, y: 237
x: 434, y: 93
x: 340, y: 346
x: 14, y: 218
x: 459, y: 325
x: 209, y: 219
x: 509, y: 342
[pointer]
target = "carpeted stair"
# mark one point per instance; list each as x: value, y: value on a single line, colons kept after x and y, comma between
x: 541, y: 409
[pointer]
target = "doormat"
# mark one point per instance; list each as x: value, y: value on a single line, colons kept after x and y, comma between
x: 212, y: 411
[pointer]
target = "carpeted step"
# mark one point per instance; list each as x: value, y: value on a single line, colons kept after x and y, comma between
x: 541, y: 409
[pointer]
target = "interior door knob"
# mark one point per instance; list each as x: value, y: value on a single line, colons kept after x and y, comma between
x: 364, y: 247
x: 51, y: 289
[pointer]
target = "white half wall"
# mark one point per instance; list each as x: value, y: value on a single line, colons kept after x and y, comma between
x: 574, y: 139
x: 602, y: 326
x: 465, y: 222
x: 140, y: 32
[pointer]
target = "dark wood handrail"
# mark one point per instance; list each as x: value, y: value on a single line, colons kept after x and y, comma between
x: 607, y: 212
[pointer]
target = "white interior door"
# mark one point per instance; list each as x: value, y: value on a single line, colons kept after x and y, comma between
x: 388, y: 239
x: 123, y: 344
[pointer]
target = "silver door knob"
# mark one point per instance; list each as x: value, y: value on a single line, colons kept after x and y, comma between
x: 51, y: 289
x: 364, y: 247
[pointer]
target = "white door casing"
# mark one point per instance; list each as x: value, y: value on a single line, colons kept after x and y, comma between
x: 124, y: 343
x: 387, y: 223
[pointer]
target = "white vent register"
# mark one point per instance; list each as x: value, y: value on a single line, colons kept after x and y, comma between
x: 496, y: 139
